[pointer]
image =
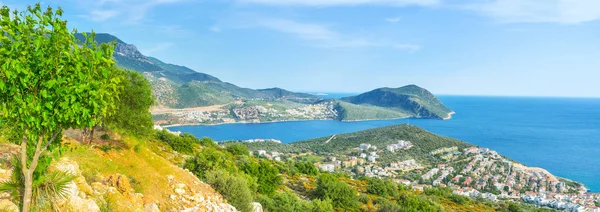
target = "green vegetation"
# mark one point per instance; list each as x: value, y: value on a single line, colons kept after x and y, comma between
x: 345, y: 144
x: 342, y: 196
x: 410, y: 99
x: 267, y: 175
x: 381, y: 187
x: 352, y: 112
x: 234, y: 188
x: 287, y: 201
x: 185, y: 143
x: 134, y: 103
x: 306, y: 168
x: 48, y: 188
x: 50, y: 81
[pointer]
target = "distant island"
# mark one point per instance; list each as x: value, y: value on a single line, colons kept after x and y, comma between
x: 186, y: 97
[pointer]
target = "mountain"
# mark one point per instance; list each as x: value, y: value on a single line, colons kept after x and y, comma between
x: 206, y: 99
x: 181, y: 87
x: 410, y: 99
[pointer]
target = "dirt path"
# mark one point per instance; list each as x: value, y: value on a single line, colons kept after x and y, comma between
x: 332, y: 137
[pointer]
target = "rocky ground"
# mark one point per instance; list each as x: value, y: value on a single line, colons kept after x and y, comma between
x: 115, y: 192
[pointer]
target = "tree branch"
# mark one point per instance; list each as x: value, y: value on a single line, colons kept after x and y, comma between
x: 39, y: 150
x: 52, y: 139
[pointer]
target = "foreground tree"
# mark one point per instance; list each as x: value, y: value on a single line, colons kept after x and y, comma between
x: 49, y: 81
x: 135, y: 100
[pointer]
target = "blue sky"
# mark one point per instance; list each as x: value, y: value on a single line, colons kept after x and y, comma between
x: 461, y: 47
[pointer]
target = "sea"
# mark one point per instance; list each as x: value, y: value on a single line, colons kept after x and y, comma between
x: 561, y: 135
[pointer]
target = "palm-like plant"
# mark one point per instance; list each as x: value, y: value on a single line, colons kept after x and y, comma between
x: 47, y: 188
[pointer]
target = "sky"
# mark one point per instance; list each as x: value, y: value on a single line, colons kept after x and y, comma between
x: 456, y: 47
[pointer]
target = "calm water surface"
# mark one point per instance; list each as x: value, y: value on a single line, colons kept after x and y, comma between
x: 561, y: 135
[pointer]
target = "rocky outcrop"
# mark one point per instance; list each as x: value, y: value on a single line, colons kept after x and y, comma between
x: 5, y: 199
x: 191, y: 199
x: 6, y: 203
x: 257, y: 207
x: 115, y: 193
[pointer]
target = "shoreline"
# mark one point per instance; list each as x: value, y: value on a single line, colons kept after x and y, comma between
x: 281, y: 121
x: 297, y: 120
x: 449, y: 116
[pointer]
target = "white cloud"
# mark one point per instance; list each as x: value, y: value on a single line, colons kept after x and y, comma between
x: 342, y: 2
x: 128, y: 11
x: 156, y: 48
x: 302, y: 30
x: 215, y: 28
x: 102, y: 15
x: 408, y: 47
x: 393, y: 19
x: 553, y: 11
x: 323, y: 36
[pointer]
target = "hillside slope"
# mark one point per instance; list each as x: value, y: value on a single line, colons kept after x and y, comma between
x: 409, y: 99
x: 127, y: 174
x: 423, y: 143
x: 414, y: 157
x: 181, y: 87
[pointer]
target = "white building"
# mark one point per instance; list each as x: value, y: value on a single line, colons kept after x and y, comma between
x: 261, y: 152
x: 364, y: 146
x: 328, y: 167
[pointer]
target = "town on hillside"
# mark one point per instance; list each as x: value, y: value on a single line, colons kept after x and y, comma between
x: 473, y: 172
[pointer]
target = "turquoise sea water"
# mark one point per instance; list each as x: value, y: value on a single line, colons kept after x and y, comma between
x: 561, y: 135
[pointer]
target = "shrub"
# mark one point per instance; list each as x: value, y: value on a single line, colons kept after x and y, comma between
x: 341, y: 194
x: 232, y: 187
x: 321, y: 205
x: 381, y: 187
x: 267, y: 175
x: 105, y: 137
x: 181, y: 144
x: 210, y: 159
x: 284, y: 202
x: 307, y: 168
x: 238, y: 149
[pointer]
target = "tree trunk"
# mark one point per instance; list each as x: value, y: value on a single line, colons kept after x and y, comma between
x: 28, y: 192
x: 28, y: 171
x: 92, y: 134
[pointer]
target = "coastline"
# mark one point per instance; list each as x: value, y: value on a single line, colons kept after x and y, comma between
x: 449, y: 116
x: 280, y: 121
x: 296, y: 120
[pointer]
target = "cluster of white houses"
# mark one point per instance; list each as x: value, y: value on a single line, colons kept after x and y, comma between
x: 481, y: 173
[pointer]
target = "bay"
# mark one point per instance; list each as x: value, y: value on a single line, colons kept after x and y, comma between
x: 561, y: 135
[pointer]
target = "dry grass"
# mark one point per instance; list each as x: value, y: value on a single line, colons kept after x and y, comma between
x: 146, y: 170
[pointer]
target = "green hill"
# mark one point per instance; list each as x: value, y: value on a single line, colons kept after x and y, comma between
x: 344, y: 144
x: 193, y: 89
x: 353, y: 112
x: 410, y: 99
